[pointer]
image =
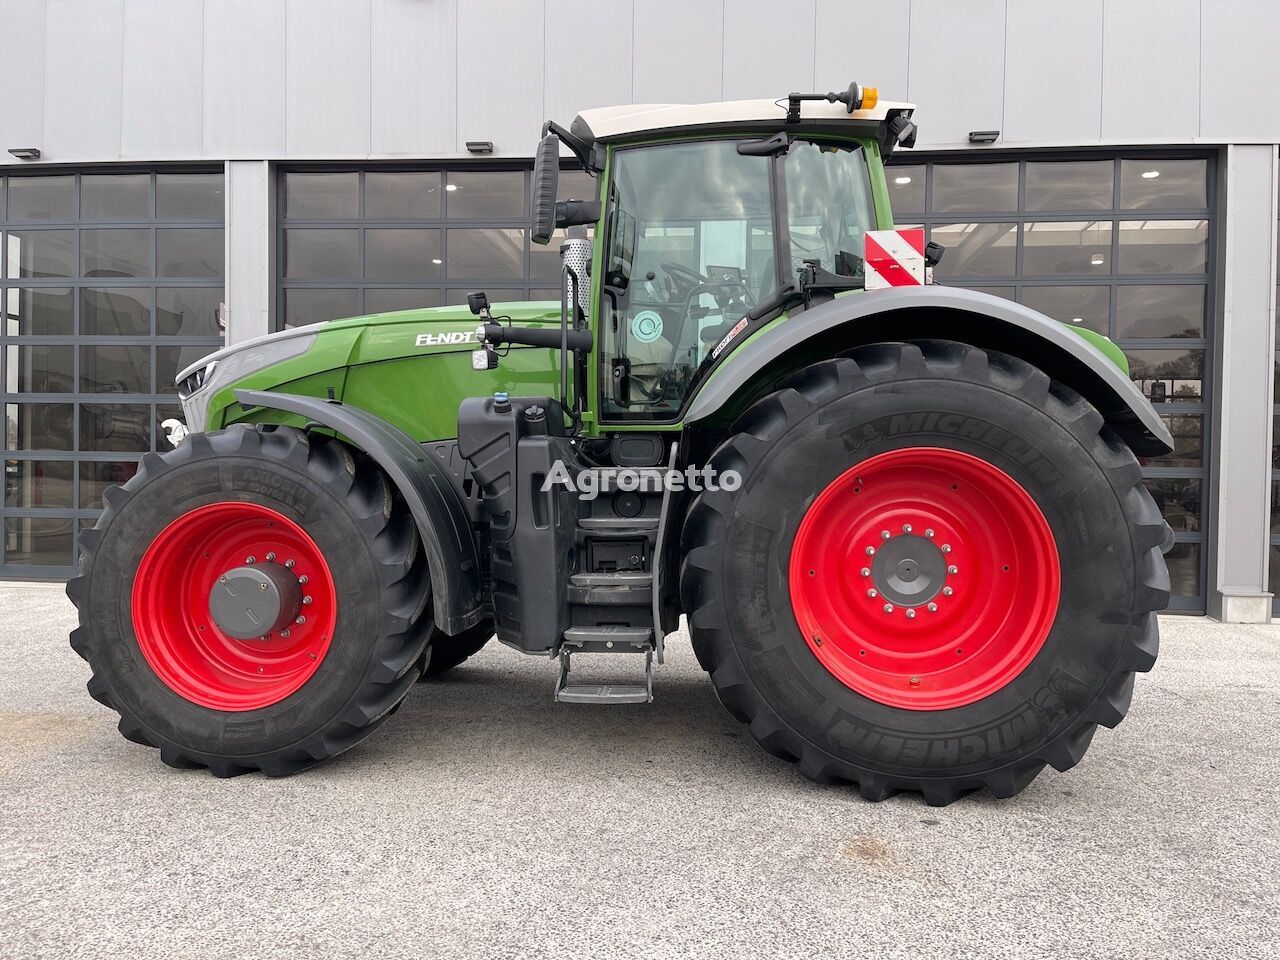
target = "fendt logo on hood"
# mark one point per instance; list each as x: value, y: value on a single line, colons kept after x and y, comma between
x: 444, y: 339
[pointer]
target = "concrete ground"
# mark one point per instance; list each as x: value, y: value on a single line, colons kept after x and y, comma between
x: 485, y: 821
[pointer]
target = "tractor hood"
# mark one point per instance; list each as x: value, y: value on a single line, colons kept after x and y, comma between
x: 315, y: 360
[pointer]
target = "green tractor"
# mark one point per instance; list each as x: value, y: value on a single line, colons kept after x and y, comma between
x: 906, y: 523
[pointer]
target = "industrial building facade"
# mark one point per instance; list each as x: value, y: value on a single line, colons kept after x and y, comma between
x: 211, y: 170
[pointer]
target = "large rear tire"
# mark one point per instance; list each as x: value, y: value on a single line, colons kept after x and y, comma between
x: 940, y: 572
x: 248, y: 601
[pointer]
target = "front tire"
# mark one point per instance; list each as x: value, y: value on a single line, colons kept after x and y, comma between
x: 248, y: 601
x: 941, y: 672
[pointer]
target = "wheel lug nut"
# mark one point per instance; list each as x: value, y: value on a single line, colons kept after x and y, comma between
x: 906, y: 528
x: 873, y: 594
x: 306, y: 601
x: 947, y: 591
x: 915, y: 681
x: 250, y: 559
x: 301, y: 620
x: 911, y: 614
x: 270, y: 557
x: 884, y: 534
x: 871, y: 551
x: 929, y: 532
x: 946, y: 548
x: 303, y: 579
x: 933, y: 607
x: 284, y: 632
x: 953, y: 569
x: 888, y: 608
x: 866, y: 571
x: 289, y: 564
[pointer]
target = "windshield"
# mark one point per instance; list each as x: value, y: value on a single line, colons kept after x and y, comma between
x: 692, y: 251
x: 828, y: 206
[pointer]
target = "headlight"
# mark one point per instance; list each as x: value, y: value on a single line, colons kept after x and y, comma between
x: 194, y: 381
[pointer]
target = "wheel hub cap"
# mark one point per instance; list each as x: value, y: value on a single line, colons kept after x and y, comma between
x: 253, y: 601
x: 908, y: 570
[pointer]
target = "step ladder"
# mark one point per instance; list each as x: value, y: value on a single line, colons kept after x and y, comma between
x: 633, y: 640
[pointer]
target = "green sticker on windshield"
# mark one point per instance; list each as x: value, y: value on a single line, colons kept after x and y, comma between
x: 646, y: 326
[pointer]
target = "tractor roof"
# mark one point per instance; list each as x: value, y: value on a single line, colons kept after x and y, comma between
x: 637, y: 121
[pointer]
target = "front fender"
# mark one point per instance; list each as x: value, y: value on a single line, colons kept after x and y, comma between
x: 452, y: 559
x: 928, y: 312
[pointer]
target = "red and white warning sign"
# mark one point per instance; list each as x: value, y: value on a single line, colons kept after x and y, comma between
x: 894, y: 258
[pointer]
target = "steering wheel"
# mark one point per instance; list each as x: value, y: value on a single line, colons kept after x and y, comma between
x: 687, y: 274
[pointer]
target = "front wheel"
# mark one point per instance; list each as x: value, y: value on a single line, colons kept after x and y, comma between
x: 940, y: 572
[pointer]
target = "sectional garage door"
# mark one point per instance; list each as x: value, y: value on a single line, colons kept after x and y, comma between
x: 1121, y: 244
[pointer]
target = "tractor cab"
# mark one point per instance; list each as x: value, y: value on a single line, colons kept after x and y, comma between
x: 710, y: 220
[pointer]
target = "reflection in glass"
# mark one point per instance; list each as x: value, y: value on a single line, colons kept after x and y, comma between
x: 321, y: 254
x: 40, y: 368
x: 1184, y: 569
x: 96, y: 476
x: 1164, y: 184
x: 42, y: 198
x: 906, y: 189
x: 115, y: 311
x: 975, y: 187
x: 39, y: 312
x: 123, y: 427
x: 1188, y: 444
x: 183, y: 252
x: 38, y: 542
x: 188, y: 311
x: 1070, y: 184
x: 1080, y: 248
x: 1164, y: 246
x: 401, y: 196
x: 322, y: 196
x: 312, y: 306
x: 115, y: 196
x: 485, y: 195
x: 976, y: 249
x: 1178, y: 499
x: 115, y: 369
x: 37, y: 483
x: 189, y: 196
x: 1088, y: 307
x: 1166, y: 310
x: 497, y: 254
x: 1166, y: 376
x: 402, y: 298
x: 402, y: 254
x: 115, y: 253
x: 40, y: 253
x: 38, y: 426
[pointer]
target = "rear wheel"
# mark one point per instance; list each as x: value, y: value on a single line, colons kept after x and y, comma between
x: 940, y: 572
x: 248, y: 601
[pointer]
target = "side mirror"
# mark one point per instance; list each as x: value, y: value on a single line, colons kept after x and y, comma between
x: 546, y: 176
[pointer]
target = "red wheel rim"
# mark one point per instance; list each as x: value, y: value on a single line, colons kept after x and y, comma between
x: 924, y: 578
x: 175, y: 627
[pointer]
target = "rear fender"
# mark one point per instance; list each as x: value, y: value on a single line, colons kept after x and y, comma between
x: 440, y: 516
x: 932, y: 312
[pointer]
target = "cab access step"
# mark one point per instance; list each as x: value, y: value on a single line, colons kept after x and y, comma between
x: 613, y: 640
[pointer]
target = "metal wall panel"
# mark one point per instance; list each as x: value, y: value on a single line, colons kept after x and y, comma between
x: 1053, y: 71
x: 593, y: 74
x: 768, y: 48
x: 244, y: 43
x: 415, y: 77
x: 327, y: 66
x: 83, y: 54
x: 842, y: 52
x: 163, y: 77
x: 679, y: 51
x: 500, y: 74
x: 250, y: 189
x: 1239, y: 70
x: 1151, y: 70
x: 957, y: 68
x: 22, y: 108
